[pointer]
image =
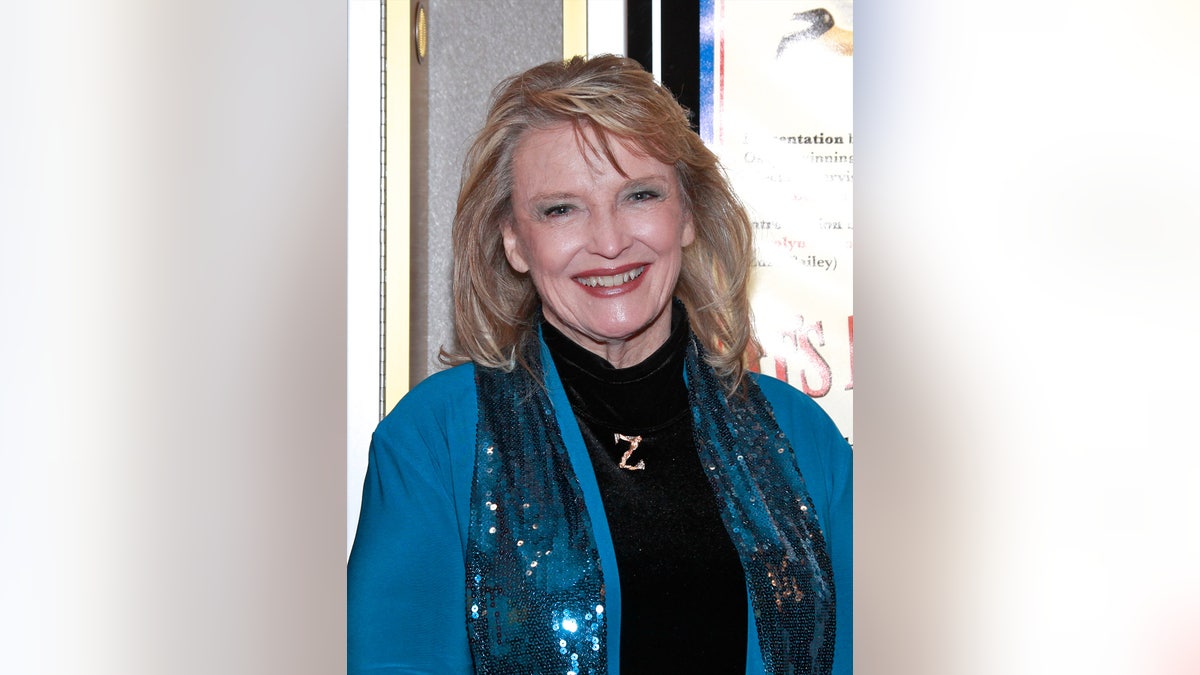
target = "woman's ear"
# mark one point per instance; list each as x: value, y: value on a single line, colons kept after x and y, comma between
x: 689, y: 229
x: 512, y: 247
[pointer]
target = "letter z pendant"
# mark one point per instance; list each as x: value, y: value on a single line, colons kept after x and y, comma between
x: 634, y: 441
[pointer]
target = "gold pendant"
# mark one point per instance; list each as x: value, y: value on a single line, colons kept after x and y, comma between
x: 633, y: 445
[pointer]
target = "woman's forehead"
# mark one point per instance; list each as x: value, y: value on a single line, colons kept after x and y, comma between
x: 565, y: 146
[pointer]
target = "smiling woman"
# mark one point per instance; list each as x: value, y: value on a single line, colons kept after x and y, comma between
x: 602, y: 240
x: 600, y: 484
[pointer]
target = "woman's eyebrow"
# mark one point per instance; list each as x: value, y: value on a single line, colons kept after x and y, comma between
x: 552, y: 196
x: 658, y: 175
x: 658, y: 180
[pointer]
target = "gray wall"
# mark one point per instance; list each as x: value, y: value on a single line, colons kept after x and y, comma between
x: 472, y: 45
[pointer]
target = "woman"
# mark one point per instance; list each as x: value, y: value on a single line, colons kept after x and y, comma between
x: 599, y: 484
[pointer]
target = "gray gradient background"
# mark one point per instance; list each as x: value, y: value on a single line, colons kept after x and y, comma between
x: 172, y: 355
x: 173, y: 282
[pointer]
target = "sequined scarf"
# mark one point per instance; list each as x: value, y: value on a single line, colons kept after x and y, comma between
x: 535, y: 589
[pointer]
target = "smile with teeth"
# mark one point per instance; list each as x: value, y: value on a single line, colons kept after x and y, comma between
x: 614, y: 280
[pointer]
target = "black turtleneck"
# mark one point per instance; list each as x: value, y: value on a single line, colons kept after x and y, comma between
x: 683, y: 593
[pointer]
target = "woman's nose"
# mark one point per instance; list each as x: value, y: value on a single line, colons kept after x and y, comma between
x: 609, y: 234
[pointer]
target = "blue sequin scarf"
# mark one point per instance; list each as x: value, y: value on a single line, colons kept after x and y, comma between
x: 535, y: 589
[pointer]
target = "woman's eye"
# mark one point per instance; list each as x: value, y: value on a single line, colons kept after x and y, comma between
x: 643, y: 195
x: 557, y: 210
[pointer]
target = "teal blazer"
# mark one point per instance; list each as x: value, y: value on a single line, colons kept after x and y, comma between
x: 406, y: 592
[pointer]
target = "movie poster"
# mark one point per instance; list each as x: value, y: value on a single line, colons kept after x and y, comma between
x: 776, y: 106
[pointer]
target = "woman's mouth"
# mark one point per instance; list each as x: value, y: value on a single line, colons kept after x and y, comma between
x: 611, y: 280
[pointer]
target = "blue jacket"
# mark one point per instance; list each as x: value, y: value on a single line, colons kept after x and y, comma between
x: 406, y: 574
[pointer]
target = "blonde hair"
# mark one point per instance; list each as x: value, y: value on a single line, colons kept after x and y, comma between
x: 495, y: 307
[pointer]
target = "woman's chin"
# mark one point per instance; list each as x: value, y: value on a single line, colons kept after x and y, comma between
x: 630, y: 328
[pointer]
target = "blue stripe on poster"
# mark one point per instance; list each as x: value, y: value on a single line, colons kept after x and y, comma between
x: 707, y: 73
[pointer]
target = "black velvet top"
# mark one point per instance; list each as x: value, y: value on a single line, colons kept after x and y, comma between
x: 683, y: 593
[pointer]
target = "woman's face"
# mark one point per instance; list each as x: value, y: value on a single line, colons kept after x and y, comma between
x: 602, y: 250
